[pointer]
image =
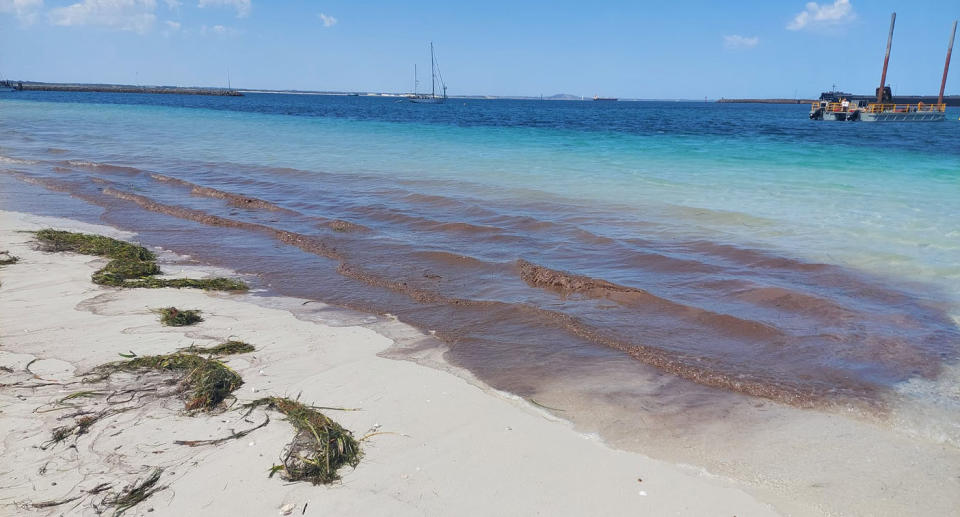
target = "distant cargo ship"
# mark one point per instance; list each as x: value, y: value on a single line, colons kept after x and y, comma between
x: 599, y: 98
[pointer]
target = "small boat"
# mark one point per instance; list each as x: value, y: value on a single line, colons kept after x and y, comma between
x: 434, y: 76
x: 838, y: 106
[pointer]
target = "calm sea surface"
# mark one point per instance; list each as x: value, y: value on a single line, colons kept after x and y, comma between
x: 732, y: 248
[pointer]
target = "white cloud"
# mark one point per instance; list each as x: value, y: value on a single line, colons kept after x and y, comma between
x: 242, y: 6
x: 173, y: 5
x: 736, y: 41
x: 127, y: 15
x: 328, y: 21
x: 217, y: 30
x: 822, y: 15
x: 170, y: 28
x: 25, y: 10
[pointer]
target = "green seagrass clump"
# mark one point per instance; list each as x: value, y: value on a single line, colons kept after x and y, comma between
x: 207, y: 382
x: 128, y: 260
x: 229, y: 348
x: 174, y: 317
x: 130, y: 265
x: 135, y: 493
x: 319, y: 447
x: 207, y: 284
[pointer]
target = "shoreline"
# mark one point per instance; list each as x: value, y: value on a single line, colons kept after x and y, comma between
x: 448, y: 446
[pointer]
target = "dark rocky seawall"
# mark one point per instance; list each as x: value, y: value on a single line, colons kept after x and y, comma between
x: 110, y: 88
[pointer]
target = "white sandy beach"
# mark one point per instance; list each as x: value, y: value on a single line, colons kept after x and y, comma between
x: 445, y: 446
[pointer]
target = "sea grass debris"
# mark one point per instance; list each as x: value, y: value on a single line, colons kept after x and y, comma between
x: 135, y: 493
x: 229, y: 348
x: 207, y: 284
x: 130, y: 265
x: 320, y: 446
x: 174, y: 317
x: 207, y: 382
x: 79, y: 427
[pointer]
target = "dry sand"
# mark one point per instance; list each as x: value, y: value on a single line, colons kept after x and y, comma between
x: 446, y: 444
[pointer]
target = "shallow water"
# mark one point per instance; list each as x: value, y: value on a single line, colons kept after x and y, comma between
x: 673, y: 260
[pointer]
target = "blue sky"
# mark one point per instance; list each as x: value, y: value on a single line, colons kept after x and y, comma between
x: 677, y: 49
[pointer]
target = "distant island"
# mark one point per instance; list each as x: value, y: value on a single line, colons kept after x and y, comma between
x: 563, y: 97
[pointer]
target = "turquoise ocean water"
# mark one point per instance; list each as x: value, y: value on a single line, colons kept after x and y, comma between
x: 878, y: 197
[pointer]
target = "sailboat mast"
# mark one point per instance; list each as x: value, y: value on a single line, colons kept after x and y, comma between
x: 416, y: 80
x: 433, y: 75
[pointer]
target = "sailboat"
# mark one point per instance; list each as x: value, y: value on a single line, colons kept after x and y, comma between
x: 434, y: 76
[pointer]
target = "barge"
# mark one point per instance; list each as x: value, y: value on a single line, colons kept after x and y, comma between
x: 842, y: 108
x: 863, y: 111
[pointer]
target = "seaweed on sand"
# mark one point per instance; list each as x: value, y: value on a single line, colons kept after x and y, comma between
x: 208, y: 284
x: 57, y: 502
x: 235, y: 435
x: 174, y: 317
x: 319, y: 447
x: 135, y: 493
x: 127, y: 260
x: 6, y: 258
x: 229, y: 348
x: 130, y: 265
x: 79, y: 427
x: 208, y: 382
